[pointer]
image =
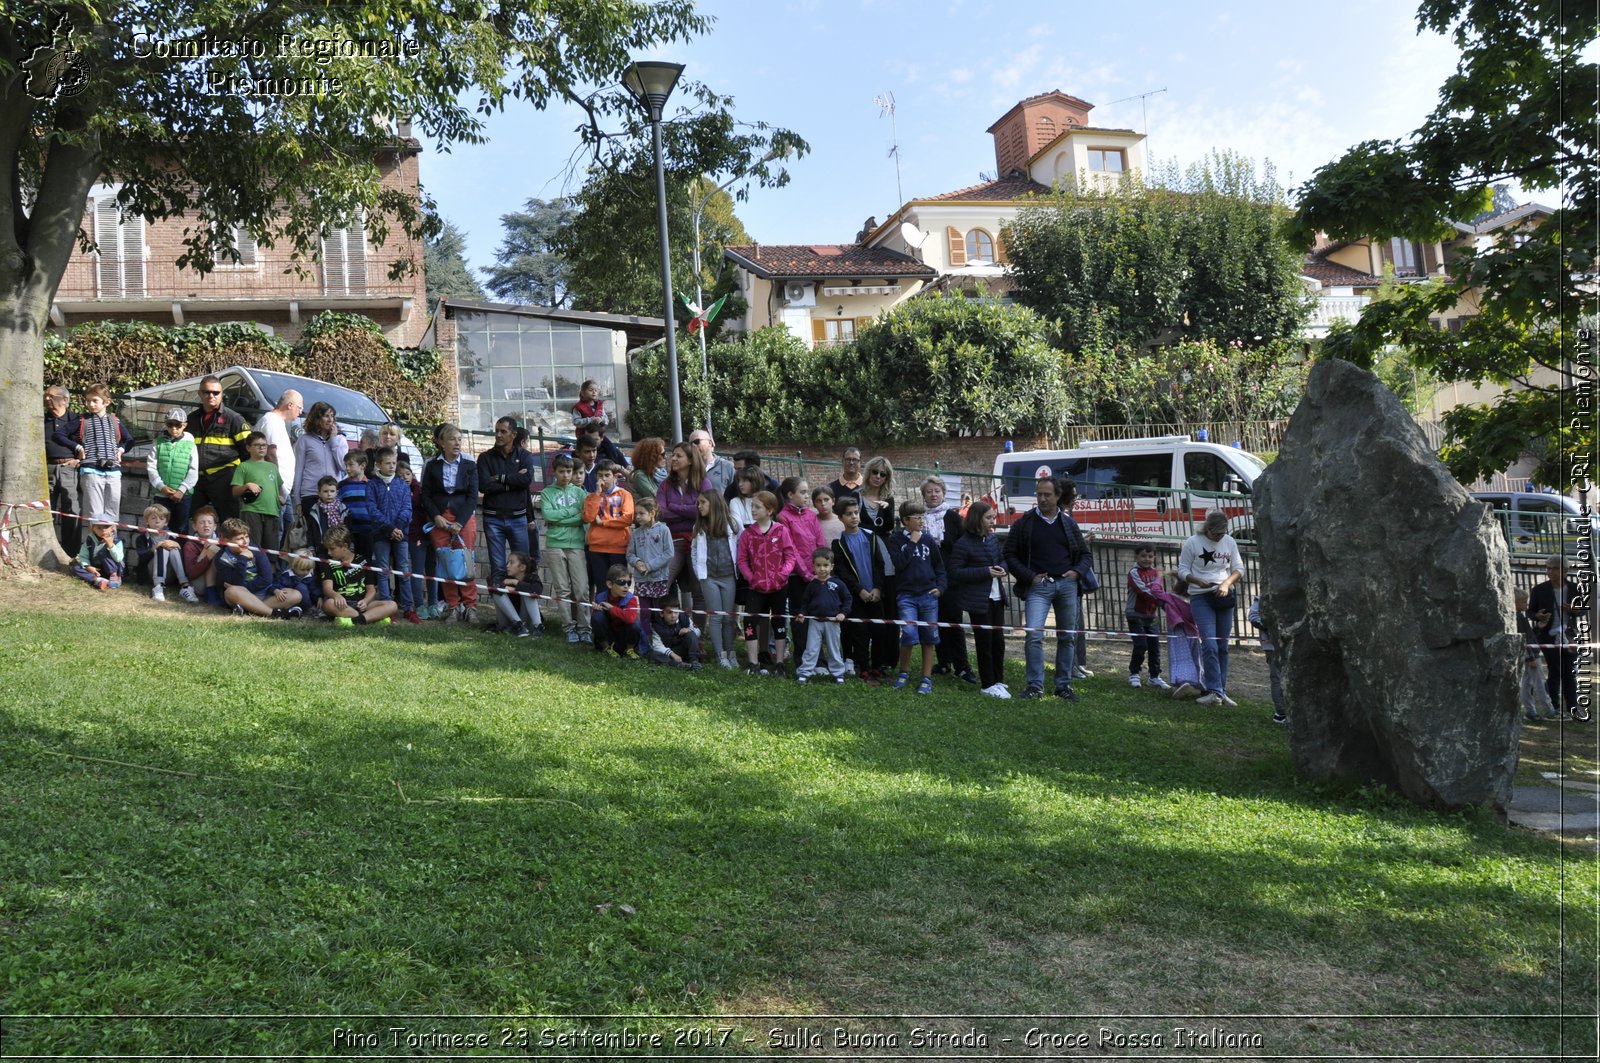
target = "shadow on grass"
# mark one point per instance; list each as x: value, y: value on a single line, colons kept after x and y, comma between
x: 599, y: 854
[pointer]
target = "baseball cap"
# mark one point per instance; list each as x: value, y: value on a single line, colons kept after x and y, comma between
x: 176, y: 414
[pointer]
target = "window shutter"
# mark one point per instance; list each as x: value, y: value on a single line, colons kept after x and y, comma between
x: 958, y: 246
x: 245, y: 245
x: 819, y: 332
x: 356, y: 254
x: 133, y: 256
x: 108, y: 238
x: 333, y: 272
x: 1000, y: 250
x: 344, y: 259
x: 861, y: 323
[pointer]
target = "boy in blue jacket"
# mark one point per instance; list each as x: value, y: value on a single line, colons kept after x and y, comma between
x: 245, y: 576
x: 826, y: 603
x: 919, y: 581
x: 391, y: 552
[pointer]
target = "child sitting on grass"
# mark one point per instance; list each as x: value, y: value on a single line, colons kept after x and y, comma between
x: 99, y: 562
x: 516, y: 599
x: 674, y: 640
x: 245, y: 575
x: 200, y: 552
x: 161, y: 550
x: 615, y: 622
x: 349, y: 593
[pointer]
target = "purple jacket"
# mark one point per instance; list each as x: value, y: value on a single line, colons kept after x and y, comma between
x: 677, y: 508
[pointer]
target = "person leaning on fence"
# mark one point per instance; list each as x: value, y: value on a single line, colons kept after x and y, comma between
x: 61, y: 460
x: 1047, y: 556
x: 450, y: 499
x: 977, y: 584
x: 1210, y: 565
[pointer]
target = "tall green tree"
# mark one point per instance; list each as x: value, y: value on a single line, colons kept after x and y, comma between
x: 528, y: 268
x: 445, y: 265
x: 1198, y: 256
x: 611, y: 247
x: 1520, y: 106
x: 85, y: 97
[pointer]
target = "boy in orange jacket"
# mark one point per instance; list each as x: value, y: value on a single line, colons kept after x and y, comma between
x: 609, y: 514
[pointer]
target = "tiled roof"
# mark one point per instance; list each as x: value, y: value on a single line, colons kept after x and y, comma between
x: 1332, y: 274
x: 825, y: 260
x: 1007, y: 188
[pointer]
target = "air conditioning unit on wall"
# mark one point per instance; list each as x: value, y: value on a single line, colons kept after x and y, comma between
x: 799, y: 293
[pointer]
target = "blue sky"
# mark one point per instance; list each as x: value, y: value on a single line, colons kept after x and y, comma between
x: 1293, y: 82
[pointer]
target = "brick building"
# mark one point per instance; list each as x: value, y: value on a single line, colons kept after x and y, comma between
x: 134, y: 275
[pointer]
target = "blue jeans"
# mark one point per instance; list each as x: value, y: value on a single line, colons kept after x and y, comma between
x: 1214, y: 617
x: 915, y: 607
x: 387, y: 554
x: 505, y: 534
x: 423, y: 591
x: 1043, y: 595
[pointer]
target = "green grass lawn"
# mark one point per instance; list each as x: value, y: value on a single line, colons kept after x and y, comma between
x: 218, y: 817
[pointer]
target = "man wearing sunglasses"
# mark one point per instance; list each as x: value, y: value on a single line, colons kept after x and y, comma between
x: 219, y: 435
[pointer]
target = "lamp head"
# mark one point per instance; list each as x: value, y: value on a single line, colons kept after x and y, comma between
x: 651, y: 84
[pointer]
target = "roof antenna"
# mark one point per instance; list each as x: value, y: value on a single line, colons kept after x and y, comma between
x: 1144, y: 117
x: 885, y: 102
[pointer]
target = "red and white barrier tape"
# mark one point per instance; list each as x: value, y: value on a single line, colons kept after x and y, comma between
x: 1089, y: 633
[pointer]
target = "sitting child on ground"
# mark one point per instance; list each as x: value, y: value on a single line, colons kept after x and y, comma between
x: 159, y: 549
x: 1535, y: 699
x: 99, y: 562
x: 673, y: 639
x: 349, y: 593
x: 615, y: 622
x: 516, y: 599
x: 245, y: 576
x: 295, y: 574
x: 199, y: 553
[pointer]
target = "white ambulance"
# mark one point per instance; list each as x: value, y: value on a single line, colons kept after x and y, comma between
x: 1158, y: 486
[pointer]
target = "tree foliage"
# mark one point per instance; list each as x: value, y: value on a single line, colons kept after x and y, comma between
x: 528, y: 266
x: 1520, y: 106
x: 84, y: 96
x: 930, y: 368
x: 444, y: 261
x: 1199, y: 256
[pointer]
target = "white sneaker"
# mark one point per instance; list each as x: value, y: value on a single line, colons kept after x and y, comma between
x: 187, y: 593
x: 1133, y: 681
x: 993, y: 691
x: 1208, y: 699
x: 1081, y: 672
x: 1228, y: 701
x: 728, y: 661
x: 1159, y: 683
x: 158, y: 593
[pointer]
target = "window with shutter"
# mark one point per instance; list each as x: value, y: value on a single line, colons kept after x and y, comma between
x: 120, y: 242
x: 344, y: 259
x: 244, y: 250
x: 958, y: 246
x: 819, y: 332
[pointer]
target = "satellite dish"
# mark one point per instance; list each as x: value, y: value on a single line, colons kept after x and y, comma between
x: 912, y: 235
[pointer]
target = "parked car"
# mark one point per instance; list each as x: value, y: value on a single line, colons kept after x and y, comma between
x: 251, y: 393
x: 1154, y: 486
x: 1541, y: 523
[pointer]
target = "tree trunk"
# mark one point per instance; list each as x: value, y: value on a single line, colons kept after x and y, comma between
x: 22, y: 467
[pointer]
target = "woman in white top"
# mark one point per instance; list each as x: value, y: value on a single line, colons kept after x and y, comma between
x: 1210, y: 565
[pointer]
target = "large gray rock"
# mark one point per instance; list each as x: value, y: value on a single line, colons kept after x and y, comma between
x: 1388, y: 590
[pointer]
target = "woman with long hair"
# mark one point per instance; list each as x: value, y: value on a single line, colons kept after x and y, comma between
x: 649, y: 459
x: 678, y: 499
x: 318, y: 452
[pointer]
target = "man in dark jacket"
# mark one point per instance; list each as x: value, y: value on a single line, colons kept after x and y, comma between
x: 505, y: 475
x: 1557, y: 609
x: 63, y: 466
x: 1047, y: 556
x: 219, y: 435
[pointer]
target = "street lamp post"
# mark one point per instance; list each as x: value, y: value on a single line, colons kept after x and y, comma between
x: 651, y: 84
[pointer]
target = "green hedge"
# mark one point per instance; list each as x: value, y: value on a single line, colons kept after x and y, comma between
x: 344, y: 349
